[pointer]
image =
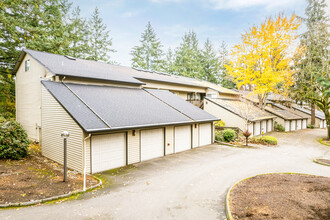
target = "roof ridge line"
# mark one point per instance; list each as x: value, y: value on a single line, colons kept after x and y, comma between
x: 169, y: 104
x: 97, y: 115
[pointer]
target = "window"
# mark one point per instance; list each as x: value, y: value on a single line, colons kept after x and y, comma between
x: 27, y: 65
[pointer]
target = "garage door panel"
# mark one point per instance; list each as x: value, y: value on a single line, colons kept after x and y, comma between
x: 205, y: 134
x: 152, y: 144
x: 182, y: 138
x: 108, y: 151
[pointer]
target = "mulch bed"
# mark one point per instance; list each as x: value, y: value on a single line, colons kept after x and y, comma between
x: 36, y: 177
x: 323, y: 161
x: 281, y: 196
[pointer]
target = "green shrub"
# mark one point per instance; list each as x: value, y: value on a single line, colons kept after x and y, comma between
x: 264, y: 140
x: 219, y: 123
x: 14, y: 141
x: 310, y: 126
x: 228, y: 135
x: 278, y: 127
x: 219, y: 135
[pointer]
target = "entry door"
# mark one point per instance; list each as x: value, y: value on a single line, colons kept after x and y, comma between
x: 205, y: 134
x: 182, y: 138
x: 152, y: 143
x: 108, y: 151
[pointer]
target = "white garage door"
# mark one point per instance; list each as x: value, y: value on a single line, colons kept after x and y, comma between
x: 293, y: 125
x: 152, y: 143
x: 182, y: 138
x: 257, y: 128
x: 287, y: 125
x: 250, y: 129
x: 205, y: 134
x: 263, y: 126
x: 304, y: 126
x: 269, y: 125
x: 108, y: 151
x: 298, y: 124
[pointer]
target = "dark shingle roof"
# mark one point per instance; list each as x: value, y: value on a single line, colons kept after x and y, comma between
x: 65, y: 66
x: 318, y: 114
x: 237, y: 106
x: 117, y: 107
x: 287, y: 112
x: 181, y: 105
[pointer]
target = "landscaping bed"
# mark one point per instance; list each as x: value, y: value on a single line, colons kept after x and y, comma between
x: 281, y: 196
x: 36, y: 177
x: 323, y: 161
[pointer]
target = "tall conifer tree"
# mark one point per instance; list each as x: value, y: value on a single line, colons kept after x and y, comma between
x: 149, y: 55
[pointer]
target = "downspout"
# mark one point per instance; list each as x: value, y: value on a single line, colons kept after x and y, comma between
x: 84, y: 160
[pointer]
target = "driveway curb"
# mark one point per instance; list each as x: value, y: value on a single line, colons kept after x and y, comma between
x: 227, y: 207
x: 20, y: 204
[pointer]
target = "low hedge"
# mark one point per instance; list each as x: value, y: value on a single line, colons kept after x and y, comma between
x: 229, y: 135
x: 264, y: 140
x: 278, y: 127
x: 14, y: 141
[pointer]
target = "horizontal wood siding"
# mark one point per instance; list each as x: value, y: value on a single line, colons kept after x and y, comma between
x: 54, y: 120
x: 133, y: 144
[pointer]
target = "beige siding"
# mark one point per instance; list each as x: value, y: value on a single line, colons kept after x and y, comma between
x: 55, y: 120
x: 169, y: 140
x: 230, y: 119
x: 28, y: 96
x: 133, y: 145
x: 195, y: 141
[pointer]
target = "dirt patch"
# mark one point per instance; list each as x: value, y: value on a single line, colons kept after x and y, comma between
x: 36, y: 177
x: 325, y: 141
x: 281, y: 196
x: 323, y: 161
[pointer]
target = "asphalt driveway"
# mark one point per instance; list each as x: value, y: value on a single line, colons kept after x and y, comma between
x: 188, y: 185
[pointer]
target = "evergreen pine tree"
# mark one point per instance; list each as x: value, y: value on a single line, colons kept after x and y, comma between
x: 78, y: 35
x: 210, y: 63
x: 169, y: 62
x: 149, y: 54
x: 100, y: 43
x: 188, y: 57
x: 223, y: 78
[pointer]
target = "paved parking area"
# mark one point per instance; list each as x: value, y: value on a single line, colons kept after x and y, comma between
x: 188, y: 185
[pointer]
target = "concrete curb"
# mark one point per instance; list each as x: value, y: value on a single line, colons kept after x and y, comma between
x: 238, y: 146
x: 20, y: 204
x: 227, y: 206
x: 319, y: 162
x: 321, y: 141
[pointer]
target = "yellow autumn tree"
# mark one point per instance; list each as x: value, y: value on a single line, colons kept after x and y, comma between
x: 261, y: 62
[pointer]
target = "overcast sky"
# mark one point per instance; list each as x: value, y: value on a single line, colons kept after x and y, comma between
x: 218, y: 20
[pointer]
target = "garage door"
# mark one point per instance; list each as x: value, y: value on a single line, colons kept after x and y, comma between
x: 299, y: 124
x: 287, y: 125
x: 293, y: 125
x: 182, y: 138
x: 108, y: 151
x: 205, y: 134
x: 152, y: 143
x: 263, y: 126
x: 250, y: 129
x: 257, y: 128
x: 269, y: 125
x: 304, y: 124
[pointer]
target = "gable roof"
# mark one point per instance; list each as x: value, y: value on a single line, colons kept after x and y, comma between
x: 286, y: 112
x: 100, y: 108
x: 67, y: 66
x: 235, y: 106
x: 318, y: 114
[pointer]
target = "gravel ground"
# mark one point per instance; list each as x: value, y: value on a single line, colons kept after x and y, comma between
x: 188, y: 185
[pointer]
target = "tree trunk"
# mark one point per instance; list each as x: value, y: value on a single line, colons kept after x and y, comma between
x: 261, y: 104
x: 328, y: 127
x: 313, y: 114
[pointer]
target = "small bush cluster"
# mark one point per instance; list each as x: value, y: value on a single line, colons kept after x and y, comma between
x: 218, y: 135
x: 219, y: 124
x: 228, y: 135
x: 310, y: 126
x: 264, y: 140
x: 278, y: 127
x: 14, y: 141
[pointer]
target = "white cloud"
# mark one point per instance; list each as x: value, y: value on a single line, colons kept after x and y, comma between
x: 129, y: 14
x: 166, y: 1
